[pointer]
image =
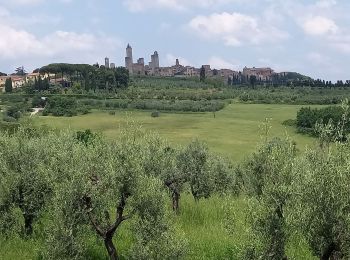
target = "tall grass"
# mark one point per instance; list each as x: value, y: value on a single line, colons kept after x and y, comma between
x: 203, y: 224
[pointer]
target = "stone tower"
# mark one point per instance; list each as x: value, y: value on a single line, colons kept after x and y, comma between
x: 107, y: 62
x: 154, y: 64
x: 128, y: 59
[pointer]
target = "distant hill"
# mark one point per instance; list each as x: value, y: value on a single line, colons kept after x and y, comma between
x: 292, y: 76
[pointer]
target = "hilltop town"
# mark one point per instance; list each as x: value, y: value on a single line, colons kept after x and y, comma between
x: 177, y: 70
x: 153, y: 68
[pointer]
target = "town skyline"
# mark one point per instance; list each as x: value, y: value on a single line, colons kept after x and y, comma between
x: 310, y: 37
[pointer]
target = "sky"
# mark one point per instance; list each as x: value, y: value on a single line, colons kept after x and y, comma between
x: 311, y: 37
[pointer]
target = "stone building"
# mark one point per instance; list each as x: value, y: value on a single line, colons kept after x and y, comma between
x: 154, y: 64
x: 191, y: 71
x: 262, y: 74
x: 134, y: 68
x: 139, y: 67
x: 164, y: 72
x: 226, y: 73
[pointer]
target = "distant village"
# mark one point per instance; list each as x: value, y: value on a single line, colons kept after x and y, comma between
x: 178, y: 70
x: 153, y: 68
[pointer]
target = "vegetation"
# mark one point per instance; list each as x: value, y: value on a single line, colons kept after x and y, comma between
x: 129, y: 194
x: 308, y: 120
x: 89, y: 77
x: 8, y: 85
x: 61, y: 106
x: 69, y: 195
x: 101, y: 185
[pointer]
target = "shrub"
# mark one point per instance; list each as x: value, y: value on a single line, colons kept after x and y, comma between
x: 9, y: 119
x: 61, y: 106
x: 155, y: 114
x: 307, y: 118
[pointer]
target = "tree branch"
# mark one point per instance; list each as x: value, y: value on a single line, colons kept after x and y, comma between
x: 96, y: 226
x: 119, y: 214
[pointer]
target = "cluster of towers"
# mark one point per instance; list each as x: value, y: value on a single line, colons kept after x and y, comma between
x: 140, y: 67
x: 109, y: 65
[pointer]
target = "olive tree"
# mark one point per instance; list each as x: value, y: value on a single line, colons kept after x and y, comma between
x: 161, y: 161
x: 193, y: 162
x: 267, y: 180
x: 105, y: 184
x: 24, y: 178
x: 321, y: 200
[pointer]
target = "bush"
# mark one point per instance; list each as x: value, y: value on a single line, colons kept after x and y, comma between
x: 9, y: 119
x: 45, y: 113
x: 307, y: 118
x: 16, y: 111
x: 155, y: 114
x: 61, y: 106
x: 290, y: 122
x: 38, y: 102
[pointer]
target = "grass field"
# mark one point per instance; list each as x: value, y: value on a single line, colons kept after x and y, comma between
x: 234, y: 132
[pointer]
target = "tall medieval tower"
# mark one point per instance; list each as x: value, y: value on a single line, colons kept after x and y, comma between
x: 154, y: 64
x: 128, y: 59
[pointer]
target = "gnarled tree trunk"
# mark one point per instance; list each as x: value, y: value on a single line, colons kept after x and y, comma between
x: 111, y: 249
x: 28, y: 224
x: 329, y: 251
x: 176, y: 199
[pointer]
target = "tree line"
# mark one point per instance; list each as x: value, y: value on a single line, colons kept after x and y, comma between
x: 88, y: 76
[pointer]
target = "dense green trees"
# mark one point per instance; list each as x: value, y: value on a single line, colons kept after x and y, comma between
x: 267, y: 177
x: 25, y: 180
x: 20, y: 71
x: 321, y: 200
x: 290, y: 194
x: 205, y: 173
x: 73, y: 187
x: 90, y: 77
x: 8, y: 85
x: 308, y: 119
x: 61, y: 106
x: 202, y: 75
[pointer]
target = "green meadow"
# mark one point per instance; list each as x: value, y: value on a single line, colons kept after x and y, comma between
x: 234, y: 132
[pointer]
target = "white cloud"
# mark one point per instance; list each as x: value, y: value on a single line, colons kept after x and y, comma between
x: 220, y: 63
x: 235, y: 29
x: 179, y: 5
x: 170, y: 60
x: 319, y: 25
x: 22, y: 47
x: 318, y: 59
